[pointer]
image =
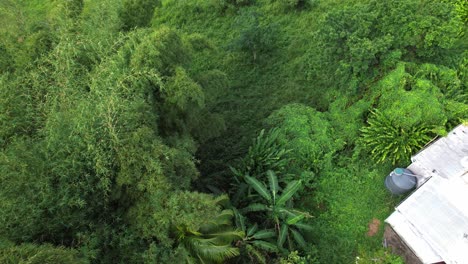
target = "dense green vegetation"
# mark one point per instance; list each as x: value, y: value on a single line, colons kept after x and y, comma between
x: 217, y: 131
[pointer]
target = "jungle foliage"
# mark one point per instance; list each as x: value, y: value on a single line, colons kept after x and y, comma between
x: 216, y: 131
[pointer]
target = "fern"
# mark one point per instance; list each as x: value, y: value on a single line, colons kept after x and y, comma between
x: 387, y: 142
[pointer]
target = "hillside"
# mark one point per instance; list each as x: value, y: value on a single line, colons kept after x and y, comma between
x: 217, y: 131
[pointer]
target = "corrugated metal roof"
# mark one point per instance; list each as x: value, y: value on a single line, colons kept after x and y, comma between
x: 433, y: 221
x: 443, y: 157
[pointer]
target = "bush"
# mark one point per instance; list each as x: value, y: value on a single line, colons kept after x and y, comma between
x: 307, y: 133
x: 385, y: 140
x: 137, y: 13
x: 38, y: 254
x: 294, y: 4
x: 236, y: 2
x: 254, y: 37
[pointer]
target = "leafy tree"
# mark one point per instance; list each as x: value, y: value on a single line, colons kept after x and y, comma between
x: 70, y: 8
x: 17, y: 115
x: 347, y: 118
x: 308, y: 134
x: 237, y: 2
x: 254, y: 37
x: 398, y: 128
x: 360, y: 38
x: 27, y: 35
x: 38, y: 254
x: 22, y: 216
x: 137, y: 13
x: 293, y: 4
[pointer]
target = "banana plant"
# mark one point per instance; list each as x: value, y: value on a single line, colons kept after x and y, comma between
x: 282, y: 218
x: 265, y: 153
x: 256, y: 242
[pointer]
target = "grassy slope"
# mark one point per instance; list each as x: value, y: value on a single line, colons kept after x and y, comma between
x: 351, y: 197
x: 256, y: 89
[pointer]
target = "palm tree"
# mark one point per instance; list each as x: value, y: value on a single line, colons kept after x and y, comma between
x: 212, y: 242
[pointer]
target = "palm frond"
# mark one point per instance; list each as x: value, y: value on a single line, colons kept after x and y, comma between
x: 221, y: 220
x: 207, y: 250
x: 221, y: 199
x: 252, y: 251
x: 227, y: 236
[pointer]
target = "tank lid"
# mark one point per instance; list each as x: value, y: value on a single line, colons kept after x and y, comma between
x: 399, y: 171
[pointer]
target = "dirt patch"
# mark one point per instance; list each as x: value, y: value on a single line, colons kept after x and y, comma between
x: 373, y: 227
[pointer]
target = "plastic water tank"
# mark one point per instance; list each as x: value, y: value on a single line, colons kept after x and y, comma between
x: 400, y: 181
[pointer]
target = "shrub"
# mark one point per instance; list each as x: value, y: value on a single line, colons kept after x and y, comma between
x: 387, y: 141
x: 38, y: 254
x: 137, y: 13
x: 254, y: 37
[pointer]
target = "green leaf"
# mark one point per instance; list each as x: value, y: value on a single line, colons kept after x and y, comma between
x: 214, y: 224
x: 299, y: 239
x: 273, y: 180
x: 265, y: 245
x: 305, y: 227
x: 259, y: 187
x: 294, y: 220
x: 241, y: 192
x: 215, y: 190
x: 289, y: 191
x: 256, y: 253
x: 227, y: 236
x: 256, y: 207
x: 207, y: 250
x: 239, y: 219
x: 282, y: 235
x: 262, y: 234
x: 222, y: 199
x: 286, y: 211
x: 252, y: 230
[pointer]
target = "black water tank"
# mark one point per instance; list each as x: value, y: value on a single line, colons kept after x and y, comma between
x: 400, y: 181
